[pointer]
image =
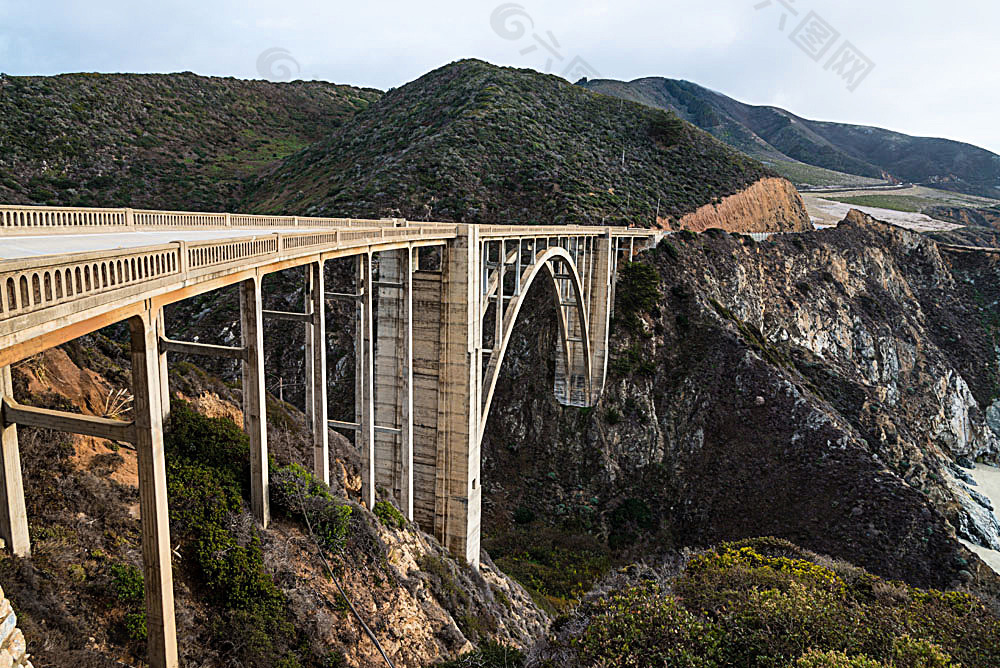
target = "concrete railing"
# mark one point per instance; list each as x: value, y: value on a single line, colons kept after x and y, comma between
x: 32, y: 284
x: 39, y: 220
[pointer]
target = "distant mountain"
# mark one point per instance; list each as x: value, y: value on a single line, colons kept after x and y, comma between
x: 477, y: 143
x: 782, y: 139
x: 174, y: 141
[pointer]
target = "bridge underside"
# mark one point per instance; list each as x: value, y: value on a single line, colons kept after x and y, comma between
x: 431, y: 336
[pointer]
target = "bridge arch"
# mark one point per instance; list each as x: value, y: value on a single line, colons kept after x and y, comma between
x: 558, y: 265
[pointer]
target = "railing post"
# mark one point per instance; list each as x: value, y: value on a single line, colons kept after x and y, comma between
x: 229, y: 220
x: 13, y: 515
x: 130, y: 219
x: 157, y: 573
x: 254, y: 397
x: 316, y: 364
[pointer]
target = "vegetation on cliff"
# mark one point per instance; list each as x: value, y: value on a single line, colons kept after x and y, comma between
x: 173, y: 141
x: 477, y: 143
x: 786, y: 141
x: 767, y: 603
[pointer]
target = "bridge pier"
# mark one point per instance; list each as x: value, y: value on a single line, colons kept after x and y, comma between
x: 254, y: 395
x: 13, y: 515
x: 458, y: 496
x: 316, y: 398
x: 394, y: 378
x: 153, y: 510
x: 364, y: 394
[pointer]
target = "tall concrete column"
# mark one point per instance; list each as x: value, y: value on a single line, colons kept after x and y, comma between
x: 254, y: 396
x: 364, y: 391
x: 13, y: 515
x: 316, y: 404
x: 458, y: 504
x: 161, y: 333
x: 310, y: 355
x: 427, y: 288
x: 148, y: 414
x: 394, y: 378
x: 601, y: 298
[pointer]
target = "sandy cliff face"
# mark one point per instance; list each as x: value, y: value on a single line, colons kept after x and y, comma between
x: 769, y: 205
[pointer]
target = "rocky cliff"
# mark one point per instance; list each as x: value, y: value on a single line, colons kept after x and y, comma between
x: 769, y: 205
x: 828, y: 388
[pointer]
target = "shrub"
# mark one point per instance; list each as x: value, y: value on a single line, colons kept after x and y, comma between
x: 833, y: 659
x: 389, y: 515
x: 298, y: 493
x: 636, y: 291
x: 642, y: 627
x: 489, y: 654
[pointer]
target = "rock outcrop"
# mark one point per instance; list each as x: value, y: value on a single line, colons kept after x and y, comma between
x: 827, y: 388
x: 769, y: 205
x: 13, y: 649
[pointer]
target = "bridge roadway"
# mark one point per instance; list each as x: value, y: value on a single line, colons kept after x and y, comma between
x: 427, y: 366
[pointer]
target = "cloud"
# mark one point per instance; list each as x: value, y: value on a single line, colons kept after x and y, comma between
x: 934, y: 71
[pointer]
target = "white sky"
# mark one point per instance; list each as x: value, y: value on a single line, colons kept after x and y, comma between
x: 936, y: 64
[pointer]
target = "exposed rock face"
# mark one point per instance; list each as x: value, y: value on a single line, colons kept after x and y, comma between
x: 769, y: 205
x: 13, y: 650
x: 819, y: 387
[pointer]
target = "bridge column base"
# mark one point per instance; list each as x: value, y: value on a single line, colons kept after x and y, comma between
x: 157, y: 573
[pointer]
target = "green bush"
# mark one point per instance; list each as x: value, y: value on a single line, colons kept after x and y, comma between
x: 127, y: 582
x: 642, y: 628
x: 833, y: 659
x: 127, y: 585
x: 298, y: 493
x: 207, y: 480
x: 390, y: 516
x: 765, y: 603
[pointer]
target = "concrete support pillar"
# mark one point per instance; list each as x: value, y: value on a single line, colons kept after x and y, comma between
x: 601, y: 296
x: 254, y: 397
x: 148, y: 414
x: 13, y: 515
x: 161, y: 333
x: 364, y: 390
x: 316, y: 405
x: 458, y: 490
x: 394, y: 378
x: 310, y: 354
x: 427, y: 288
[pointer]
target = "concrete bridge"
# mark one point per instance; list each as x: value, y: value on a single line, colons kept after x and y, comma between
x: 436, y: 306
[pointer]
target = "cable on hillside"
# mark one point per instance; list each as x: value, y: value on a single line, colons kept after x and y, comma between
x: 333, y: 577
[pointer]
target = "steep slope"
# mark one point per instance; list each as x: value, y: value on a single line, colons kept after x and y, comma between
x: 773, y: 134
x: 477, y: 143
x: 79, y: 597
x: 176, y: 141
x: 826, y: 388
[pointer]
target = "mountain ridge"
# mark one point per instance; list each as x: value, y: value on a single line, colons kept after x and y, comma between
x: 772, y: 133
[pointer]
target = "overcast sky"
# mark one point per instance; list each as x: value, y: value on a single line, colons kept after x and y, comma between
x: 935, y: 64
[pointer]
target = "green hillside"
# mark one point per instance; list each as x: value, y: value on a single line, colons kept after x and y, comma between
x: 477, y: 143
x: 770, y: 133
x: 155, y: 141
